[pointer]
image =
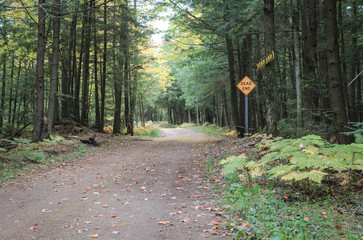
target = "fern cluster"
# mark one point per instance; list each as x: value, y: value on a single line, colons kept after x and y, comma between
x: 309, y: 157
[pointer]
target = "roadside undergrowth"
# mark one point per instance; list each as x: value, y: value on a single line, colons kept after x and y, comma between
x: 273, y: 188
x: 148, y: 131
x: 19, y: 156
x: 212, y: 129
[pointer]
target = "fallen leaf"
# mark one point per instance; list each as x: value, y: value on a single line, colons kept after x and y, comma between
x: 164, y: 222
x: 94, y: 235
x: 34, y: 227
x: 245, y: 224
x: 216, y: 223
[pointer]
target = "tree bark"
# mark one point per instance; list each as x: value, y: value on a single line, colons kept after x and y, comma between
x: 3, y: 92
x: 296, y: 41
x: 97, y: 103
x: 11, y: 87
x: 233, y: 88
x: 269, y: 34
x: 309, y: 60
x: 70, y: 74
x: 54, y: 66
x: 85, y: 79
x: 39, y: 110
x: 334, y: 73
x: 355, y: 93
x: 118, y: 79
x: 104, y: 72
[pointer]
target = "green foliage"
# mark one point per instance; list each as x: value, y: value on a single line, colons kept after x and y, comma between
x: 234, y: 163
x: 28, y: 155
x: 213, y: 129
x: 54, y: 140
x: 308, y: 157
x: 357, y: 132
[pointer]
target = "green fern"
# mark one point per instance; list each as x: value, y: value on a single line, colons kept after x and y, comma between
x: 313, y: 175
x: 281, y: 170
x: 233, y: 163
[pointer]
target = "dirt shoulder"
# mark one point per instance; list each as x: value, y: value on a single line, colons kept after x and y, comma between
x: 141, y: 189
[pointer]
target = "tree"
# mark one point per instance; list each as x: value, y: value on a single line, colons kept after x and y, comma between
x: 269, y: 35
x: 54, y: 67
x: 39, y: 111
x: 333, y: 72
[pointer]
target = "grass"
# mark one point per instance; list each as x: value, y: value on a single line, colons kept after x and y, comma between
x: 265, y: 212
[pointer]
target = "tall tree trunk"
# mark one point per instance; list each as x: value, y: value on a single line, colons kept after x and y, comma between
x: 355, y: 92
x: 118, y: 79
x: 142, y: 112
x: 85, y: 79
x: 309, y: 60
x: 54, y: 67
x: 334, y: 73
x: 3, y: 92
x: 233, y: 88
x: 133, y: 91
x: 104, y: 72
x: 98, y: 114
x: 77, y: 82
x: 269, y: 34
x: 13, y: 117
x: 70, y: 75
x: 11, y: 87
x: 296, y: 41
x: 260, y: 88
x: 39, y: 110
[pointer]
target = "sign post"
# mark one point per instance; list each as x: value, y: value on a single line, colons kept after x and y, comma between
x: 246, y: 85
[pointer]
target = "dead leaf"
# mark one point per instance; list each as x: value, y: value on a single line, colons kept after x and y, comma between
x: 164, y: 222
x: 94, y: 235
x: 34, y: 227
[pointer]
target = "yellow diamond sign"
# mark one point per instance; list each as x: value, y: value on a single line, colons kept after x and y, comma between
x: 246, y: 85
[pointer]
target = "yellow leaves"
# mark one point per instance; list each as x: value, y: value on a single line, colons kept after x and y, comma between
x: 94, y: 235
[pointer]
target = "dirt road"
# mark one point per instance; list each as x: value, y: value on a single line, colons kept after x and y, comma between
x: 149, y: 189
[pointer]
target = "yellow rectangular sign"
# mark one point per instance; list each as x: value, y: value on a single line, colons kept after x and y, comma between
x: 265, y: 61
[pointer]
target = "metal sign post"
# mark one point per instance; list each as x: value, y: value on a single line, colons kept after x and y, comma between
x: 246, y: 115
x: 246, y: 86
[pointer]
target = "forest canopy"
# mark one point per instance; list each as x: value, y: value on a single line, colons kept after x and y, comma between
x: 93, y: 63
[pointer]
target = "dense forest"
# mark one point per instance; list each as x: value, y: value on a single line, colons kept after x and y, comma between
x: 92, y: 63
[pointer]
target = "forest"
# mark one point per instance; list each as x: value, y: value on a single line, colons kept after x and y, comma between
x: 93, y: 63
